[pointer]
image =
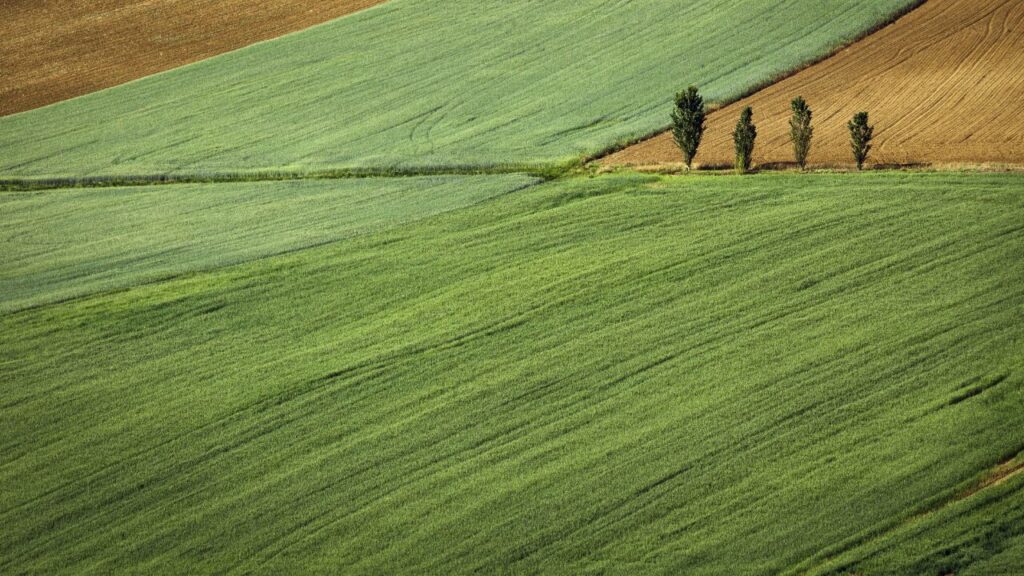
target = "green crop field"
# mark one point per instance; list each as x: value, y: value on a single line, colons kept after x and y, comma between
x: 415, y: 84
x: 294, y: 361
x: 626, y: 374
x: 51, y: 249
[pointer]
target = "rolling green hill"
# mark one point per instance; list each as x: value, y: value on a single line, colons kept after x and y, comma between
x: 421, y: 83
x: 626, y: 374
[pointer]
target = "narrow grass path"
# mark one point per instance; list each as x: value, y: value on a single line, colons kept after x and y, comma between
x: 537, y: 170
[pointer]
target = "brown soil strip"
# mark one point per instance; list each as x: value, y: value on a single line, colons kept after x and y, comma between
x: 944, y: 85
x: 52, y: 50
x: 1001, y: 474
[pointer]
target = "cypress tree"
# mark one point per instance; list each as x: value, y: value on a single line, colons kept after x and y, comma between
x: 800, y: 130
x: 860, y: 137
x: 688, y: 123
x: 744, y: 137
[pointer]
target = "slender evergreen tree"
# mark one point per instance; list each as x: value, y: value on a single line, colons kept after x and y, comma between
x: 800, y: 130
x: 860, y: 137
x: 688, y: 123
x: 744, y: 137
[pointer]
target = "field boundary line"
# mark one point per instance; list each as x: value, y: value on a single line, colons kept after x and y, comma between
x: 543, y: 171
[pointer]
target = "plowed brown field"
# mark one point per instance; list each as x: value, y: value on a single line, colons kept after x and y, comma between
x: 51, y: 50
x: 944, y: 84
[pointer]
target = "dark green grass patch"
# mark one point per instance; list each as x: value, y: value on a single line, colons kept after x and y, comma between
x: 978, y: 536
x: 621, y: 375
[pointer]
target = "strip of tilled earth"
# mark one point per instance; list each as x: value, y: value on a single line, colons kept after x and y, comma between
x: 52, y: 50
x: 943, y: 85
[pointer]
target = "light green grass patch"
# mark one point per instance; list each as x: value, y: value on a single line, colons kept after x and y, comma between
x: 60, y: 244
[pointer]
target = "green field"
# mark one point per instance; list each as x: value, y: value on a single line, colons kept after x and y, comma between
x: 625, y: 374
x: 52, y: 251
x: 414, y: 84
x: 474, y: 370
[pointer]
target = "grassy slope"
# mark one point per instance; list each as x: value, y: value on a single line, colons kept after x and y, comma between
x: 416, y: 83
x: 703, y: 375
x: 51, y: 249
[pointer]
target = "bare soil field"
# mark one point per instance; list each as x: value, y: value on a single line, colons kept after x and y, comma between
x: 944, y: 85
x: 51, y: 50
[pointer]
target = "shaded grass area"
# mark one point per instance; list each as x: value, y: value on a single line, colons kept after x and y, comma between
x: 417, y: 84
x: 979, y: 536
x: 68, y: 243
x: 625, y: 374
